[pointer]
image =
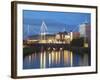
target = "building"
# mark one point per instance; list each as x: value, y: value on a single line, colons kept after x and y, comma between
x: 74, y: 35
x: 85, y: 32
x: 63, y: 37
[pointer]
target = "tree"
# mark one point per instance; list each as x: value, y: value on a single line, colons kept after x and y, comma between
x: 77, y: 42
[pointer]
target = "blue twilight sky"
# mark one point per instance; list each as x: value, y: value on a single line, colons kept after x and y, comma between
x: 55, y: 21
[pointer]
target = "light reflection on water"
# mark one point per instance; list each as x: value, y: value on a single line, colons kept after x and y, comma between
x: 53, y: 59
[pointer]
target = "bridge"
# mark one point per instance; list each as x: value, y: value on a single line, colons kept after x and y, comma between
x: 49, y: 46
x: 41, y: 47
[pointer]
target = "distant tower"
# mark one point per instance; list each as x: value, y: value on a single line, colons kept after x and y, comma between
x: 43, y: 30
x: 82, y: 30
x: 85, y: 32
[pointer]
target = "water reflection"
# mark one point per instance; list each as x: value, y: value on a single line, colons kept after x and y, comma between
x: 53, y: 59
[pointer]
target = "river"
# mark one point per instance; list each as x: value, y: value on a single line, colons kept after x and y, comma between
x: 54, y: 59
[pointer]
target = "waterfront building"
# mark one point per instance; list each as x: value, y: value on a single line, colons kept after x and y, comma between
x: 73, y: 35
x: 85, y: 32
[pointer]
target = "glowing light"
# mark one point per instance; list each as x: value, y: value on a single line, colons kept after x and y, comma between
x: 44, y: 61
x: 61, y: 48
x: 41, y: 60
x: 49, y: 59
x: 54, y: 48
x: 66, y: 57
x: 29, y: 58
x: 53, y: 57
x: 71, y: 58
x: 50, y: 41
